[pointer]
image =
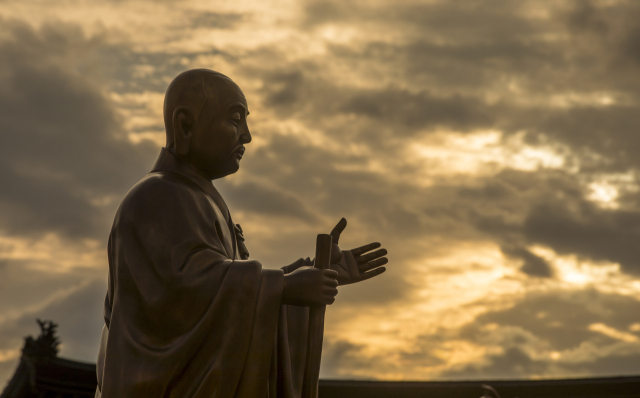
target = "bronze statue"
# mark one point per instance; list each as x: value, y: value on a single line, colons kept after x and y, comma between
x: 187, y: 314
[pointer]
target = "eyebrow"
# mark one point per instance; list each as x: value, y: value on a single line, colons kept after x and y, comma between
x: 238, y: 105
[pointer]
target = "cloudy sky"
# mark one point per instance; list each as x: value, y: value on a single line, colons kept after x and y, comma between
x: 491, y: 146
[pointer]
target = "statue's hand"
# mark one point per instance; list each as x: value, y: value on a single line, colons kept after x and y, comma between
x: 309, y: 286
x: 357, y: 264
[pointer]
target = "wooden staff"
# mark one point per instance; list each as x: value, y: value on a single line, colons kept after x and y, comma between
x: 316, y: 325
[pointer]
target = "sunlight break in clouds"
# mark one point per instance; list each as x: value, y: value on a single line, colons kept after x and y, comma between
x: 482, y: 153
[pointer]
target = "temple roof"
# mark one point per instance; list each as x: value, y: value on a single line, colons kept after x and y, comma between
x: 42, y: 374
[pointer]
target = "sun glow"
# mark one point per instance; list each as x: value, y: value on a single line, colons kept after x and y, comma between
x: 605, y: 190
x: 613, y: 333
x: 53, y: 254
x: 483, y: 153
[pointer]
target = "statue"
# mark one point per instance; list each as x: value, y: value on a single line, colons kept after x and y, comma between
x: 187, y: 314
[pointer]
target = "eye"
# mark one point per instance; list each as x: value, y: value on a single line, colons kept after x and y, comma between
x: 235, y: 118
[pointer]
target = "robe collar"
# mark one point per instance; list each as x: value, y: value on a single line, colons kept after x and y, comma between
x: 169, y: 162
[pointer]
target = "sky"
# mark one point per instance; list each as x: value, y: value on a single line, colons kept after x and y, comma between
x: 490, y: 146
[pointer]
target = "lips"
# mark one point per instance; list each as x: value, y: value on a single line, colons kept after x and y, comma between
x: 239, y: 151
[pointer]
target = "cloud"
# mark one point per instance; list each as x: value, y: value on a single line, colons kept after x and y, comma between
x: 551, y: 208
x: 341, y: 356
x: 64, y: 157
x: 315, y: 99
x: 599, y: 234
x: 513, y: 363
x: 531, y: 264
x: 549, y: 333
x: 562, y: 319
x: 216, y: 20
x: 585, y: 17
x: 611, y: 365
x: 264, y: 199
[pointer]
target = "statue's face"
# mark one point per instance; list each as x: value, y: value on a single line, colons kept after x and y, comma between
x: 221, y: 131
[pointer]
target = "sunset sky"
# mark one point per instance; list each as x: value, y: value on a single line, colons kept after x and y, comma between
x: 493, y: 147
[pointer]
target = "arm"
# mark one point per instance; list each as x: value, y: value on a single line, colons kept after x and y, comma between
x: 301, y: 262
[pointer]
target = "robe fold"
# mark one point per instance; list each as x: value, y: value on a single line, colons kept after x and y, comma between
x: 183, y: 316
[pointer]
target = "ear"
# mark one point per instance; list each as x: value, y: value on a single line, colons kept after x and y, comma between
x: 182, y: 129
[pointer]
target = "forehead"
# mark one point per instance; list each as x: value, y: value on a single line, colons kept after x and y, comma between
x: 223, y: 93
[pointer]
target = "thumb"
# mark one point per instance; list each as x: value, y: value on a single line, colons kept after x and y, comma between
x: 337, y: 230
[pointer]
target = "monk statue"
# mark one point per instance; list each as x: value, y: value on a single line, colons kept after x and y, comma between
x: 187, y: 314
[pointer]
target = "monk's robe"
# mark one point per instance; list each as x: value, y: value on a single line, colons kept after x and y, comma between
x: 183, y: 317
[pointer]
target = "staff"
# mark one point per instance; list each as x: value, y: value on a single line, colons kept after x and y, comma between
x: 316, y: 325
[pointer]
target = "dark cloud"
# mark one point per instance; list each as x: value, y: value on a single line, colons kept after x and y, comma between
x: 65, y: 156
x: 340, y: 355
x: 558, y: 321
x: 589, y: 231
x: 561, y: 319
x: 513, y: 364
x: 123, y: 70
x: 265, y: 199
x: 340, y: 358
x: 549, y: 208
x: 318, y: 12
x: 478, y: 21
x: 298, y: 93
x: 531, y: 264
x: 608, y: 131
x: 420, y: 110
x: 631, y: 45
x: 215, y: 20
x: 610, y: 365
x: 586, y: 17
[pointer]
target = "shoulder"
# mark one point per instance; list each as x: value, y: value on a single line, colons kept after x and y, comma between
x: 159, y: 185
x: 160, y: 192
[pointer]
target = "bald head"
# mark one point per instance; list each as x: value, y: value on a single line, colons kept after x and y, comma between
x: 205, y: 117
x: 193, y: 89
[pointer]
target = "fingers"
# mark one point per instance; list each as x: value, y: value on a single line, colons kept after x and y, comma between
x: 329, y: 273
x: 330, y: 278
x: 371, y: 274
x: 330, y: 292
x: 329, y: 295
x: 373, y: 264
x: 331, y: 282
x: 372, y: 256
x: 337, y: 230
x: 363, y: 249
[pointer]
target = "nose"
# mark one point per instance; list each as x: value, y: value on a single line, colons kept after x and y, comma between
x: 245, y: 135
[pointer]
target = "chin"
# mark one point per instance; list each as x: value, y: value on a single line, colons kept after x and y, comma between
x: 233, y: 168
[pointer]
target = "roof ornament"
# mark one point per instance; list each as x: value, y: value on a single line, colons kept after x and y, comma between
x: 46, y: 345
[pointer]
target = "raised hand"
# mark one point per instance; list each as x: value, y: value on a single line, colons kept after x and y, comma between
x: 357, y: 264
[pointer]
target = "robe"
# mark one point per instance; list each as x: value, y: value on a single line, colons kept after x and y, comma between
x: 183, y: 317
